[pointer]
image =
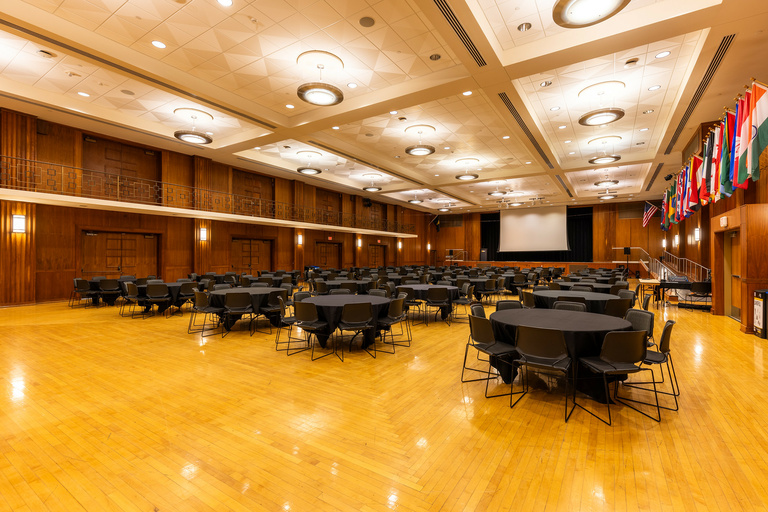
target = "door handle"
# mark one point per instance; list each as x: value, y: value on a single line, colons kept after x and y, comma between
x: 734, y: 275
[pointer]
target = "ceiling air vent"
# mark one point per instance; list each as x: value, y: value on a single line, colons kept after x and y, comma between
x: 453, y: 21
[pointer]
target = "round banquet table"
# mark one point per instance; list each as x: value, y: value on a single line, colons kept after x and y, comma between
x: 259, y: 298
x: 477, y: 282
x: 329, y: 308
x: 598, y: 287
x: 583, y: 332
x: 595, y: 301
x: 420, y: 291
x: 599, y: 279
x: 173, y: 290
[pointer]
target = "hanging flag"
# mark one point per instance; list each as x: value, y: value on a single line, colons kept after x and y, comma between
x: 741, y: 170
x: 693, y: 193
x: 664, y: 210
x: 706, y: 171
x: 714, y: 189
x: 726, y: 187
x: 648, y: 212
x: 759, y: 139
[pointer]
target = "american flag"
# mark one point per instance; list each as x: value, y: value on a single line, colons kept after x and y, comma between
x: 648, y: 213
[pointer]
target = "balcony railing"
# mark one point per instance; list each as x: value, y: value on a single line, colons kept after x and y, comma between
x: 34, y: 176
x: 686, y: 267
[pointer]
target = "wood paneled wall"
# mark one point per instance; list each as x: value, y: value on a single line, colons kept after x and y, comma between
x: 17, y: 257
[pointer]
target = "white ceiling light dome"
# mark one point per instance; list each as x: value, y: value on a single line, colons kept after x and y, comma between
x: 585, y: 13
x: 320, y: 93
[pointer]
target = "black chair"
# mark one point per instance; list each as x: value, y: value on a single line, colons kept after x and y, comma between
x: 661, y: 357
x: 569, y: 305
x: 646, y: 301
x: 339, y: 291
x: 186, y: 293
x: 490, y: 289
x: 437, y: 298
x: 203, y: 307
x: 481, y: 338
x: 378, y: 292
x: 285, y: 321
x: 351, y: 287
x: 357, y: 318
x: 467, y: 298
x: 529, y: 302
x: 82, y: 292
x: 158, y: 295
x: 237, y: 305
x: 307, y: 319
x: 109, y: 291
x: 300, y: 296
x: 542, y: 349
x: 641, y: 321
x: 554, y: 286
x: 617, y: 307
x: 582, y: 288
x: 508, y: 304
x: 411, y: 302
x: 132, y: 299
x: 477, y: 309
x: 396, y: 316
x: 271, y: 309
x: 622, y: 353
x: 628, y: 294
x: 321, y: 288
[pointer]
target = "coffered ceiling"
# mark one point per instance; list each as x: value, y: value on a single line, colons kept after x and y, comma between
x: 496, y: 87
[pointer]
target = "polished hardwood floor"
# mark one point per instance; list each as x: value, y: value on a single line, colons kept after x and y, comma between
x: 103, y: 413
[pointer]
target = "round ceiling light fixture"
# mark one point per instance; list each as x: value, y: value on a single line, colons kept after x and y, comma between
x: 466, y: 177
x: 496, y: 193
x: 415, y: 201
x: 372, y: 188
x: 608, y: 139
x: 420, y: 129
x: 468, y: 161
x: 601, y: 116
x: 608, y: 195
x: 443, y: 209
x: 308, y: 171
x: 602, y: 89
x: 585, y: 13
x: 193, y: 136
x: 604, y: 159
x: 320, y: 93
x: 516, y: 203
x: 193, y: 113
x: 606, y: 183
x: 420, y: 150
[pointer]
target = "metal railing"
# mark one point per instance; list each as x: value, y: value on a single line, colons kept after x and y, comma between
x: 661, y: 271
x: 49, y: 178
x: 686, y: 267
x: 636, y: 255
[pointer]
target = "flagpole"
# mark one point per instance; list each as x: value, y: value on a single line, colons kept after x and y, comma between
x: 759, y: 82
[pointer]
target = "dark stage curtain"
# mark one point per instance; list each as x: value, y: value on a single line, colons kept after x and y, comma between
x: 579, y: 239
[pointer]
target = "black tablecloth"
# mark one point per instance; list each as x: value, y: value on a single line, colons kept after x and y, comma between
x: 598, y: 287
x: 329, y: 308
x: 259, y: 296
x: 173, y: 289
x: 599, y: 279
x: 595, y: 301
x: 420, y: 291
x: 583, y: 332
x: 362, y: 286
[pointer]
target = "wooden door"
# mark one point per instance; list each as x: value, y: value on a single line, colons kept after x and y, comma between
x: 249, y: 255
x: 376, y: 255
x: 735, y: 309
x: 115, y: 254
x: 327, y: 255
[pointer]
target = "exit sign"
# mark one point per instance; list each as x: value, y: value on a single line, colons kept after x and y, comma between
x: 330, y: 238
x: 378, y: 241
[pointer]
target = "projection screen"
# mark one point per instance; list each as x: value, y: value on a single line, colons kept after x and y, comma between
x: 533, y: 229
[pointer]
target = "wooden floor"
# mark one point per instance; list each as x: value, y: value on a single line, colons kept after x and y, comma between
x: 104, y: 413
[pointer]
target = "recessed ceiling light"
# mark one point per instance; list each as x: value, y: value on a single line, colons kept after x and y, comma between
x: 158, y: 44
x: 584, y: 13
x: 320, y: 94
x: 257, y: 148
x: 562, y: 127
x: 643, y: 129
x: 334, y: 127
x: 654, y: 88
x: 528, y: 162
x: 420, y: 150
x: 46, y: 54
x: 367, y: 22
x: 555, y: 108
x: 372, y: 188
x: 84, y: 94
x: 466, y: 177
x: 436, y: 175
x: 631, y: 63
x: 435, y: 56
x: 393, y: 112
x: 605, y: 159
x: 289, y: 106
x: 567, y: 141
x: 352, y: 85
x: 524, y: 26
x: 572, y: 153
x: 225, y: 3
x: 447, y: 147
x: 309, y: 171
x: 193, y: 137
x: 601, y: 116
x: 467, y: 93
x: 545, y: 83
x: 505, y: 137
x: 663, y: 54
x: 649, y: 111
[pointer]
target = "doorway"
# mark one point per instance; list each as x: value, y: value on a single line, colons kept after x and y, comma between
x: 327, y: 255
x: 115, y: 254
x: 732, y: 274
x: 249, y: 255
x: 377, y: 255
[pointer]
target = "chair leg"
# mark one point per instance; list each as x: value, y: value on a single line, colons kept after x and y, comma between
x: 469, y: 368
x: 624, y: 400
x: 523, y: 382
x: 490, y: 365
x: 607, y: 397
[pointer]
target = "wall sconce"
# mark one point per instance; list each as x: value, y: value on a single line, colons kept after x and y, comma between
x: 429, y: 246
x: 19, y: 224
x: 677, y: 240
x: 697, y: 235
x: 359, y: 243
x: 300, y: 240
x: 664, y: 243
x: 203, y: 234
x: 399, y: 244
